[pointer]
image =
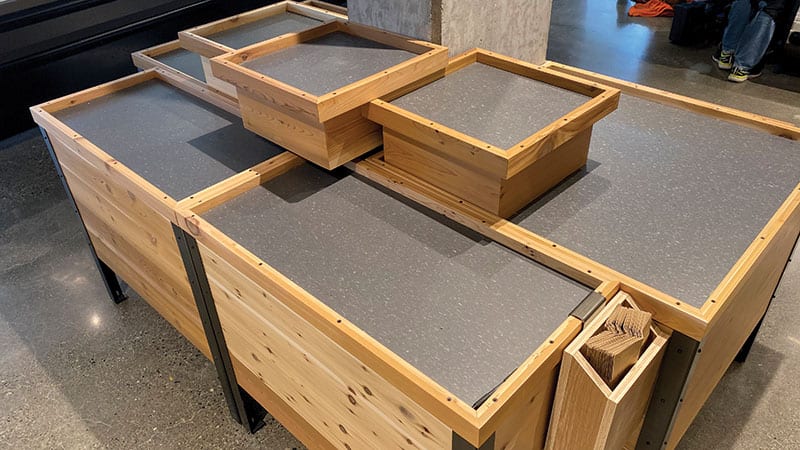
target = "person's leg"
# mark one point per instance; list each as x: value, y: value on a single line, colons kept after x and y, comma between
x: 738, y: 18
x: 755, y: 40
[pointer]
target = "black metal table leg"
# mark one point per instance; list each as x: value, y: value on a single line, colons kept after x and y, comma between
x: 108, y: 276
x: 244, y: 409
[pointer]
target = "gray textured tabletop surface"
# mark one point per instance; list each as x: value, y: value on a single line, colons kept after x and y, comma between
x: 325, y: 64
x: 463, y: 310
x: 498, y: 107
x: 670, y: 197
x: 184, y: 61
x: 175, y: 141
x: 263, y: 29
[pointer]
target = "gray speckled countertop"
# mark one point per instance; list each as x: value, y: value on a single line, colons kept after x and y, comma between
x: 325, y: 64
x: 175, y: 141
x: 185, y: 61
x: 263, y: 29
x: 671, y: 198
x: 463, y: 310
x: 495, y: 106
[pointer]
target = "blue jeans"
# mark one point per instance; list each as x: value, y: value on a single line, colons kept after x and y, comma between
x: 748, y: 33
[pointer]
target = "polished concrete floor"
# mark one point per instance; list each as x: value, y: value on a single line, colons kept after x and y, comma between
x: 77, y: 371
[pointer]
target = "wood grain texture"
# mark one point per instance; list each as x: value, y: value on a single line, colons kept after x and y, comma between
x: 135, y: 241
x: 336, y: 393
x: 499, y: 196
x: 587, y: 414
x: 328, y: 144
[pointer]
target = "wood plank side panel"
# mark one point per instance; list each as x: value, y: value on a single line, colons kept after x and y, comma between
x: 523, y: 423
x: 339, y: 396
x: 135, y: 241
x: 731, y: 327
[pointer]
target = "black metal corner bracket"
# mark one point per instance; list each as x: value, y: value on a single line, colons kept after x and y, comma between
x: 108, y: 276
x: 460, y: 443
x: 244, y: 409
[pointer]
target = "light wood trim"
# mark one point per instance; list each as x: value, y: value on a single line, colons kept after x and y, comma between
x: 666, y: 309
x: 479, y: 155
x: 446, y: 407
x: 541, y: 73
x: 482, y: 156
x: 200, y: 40
x: 391, y: 79
x: 240, y: 183
x: 340, y: 11
x: 92, y: 93
x: 332, y: 104
x: 197, y: 39
x: 563, y: 129
x: 766, y: 124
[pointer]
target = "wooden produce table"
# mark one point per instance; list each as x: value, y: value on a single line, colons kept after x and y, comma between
x: 252, y: 27
x: 171, y: 57
x: 361, y: 320
x: 691, y: 207
x: 494, y: 130
x: 129, y: 153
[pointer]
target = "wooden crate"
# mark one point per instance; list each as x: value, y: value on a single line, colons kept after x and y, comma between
x: 128, y: 219
x: 587, y: 413
x: 719, y: 327
x: 328, y: 127
x: 206, y: 40
x: 329, y: 381
x: 504, y: 178
x: 170, y: 57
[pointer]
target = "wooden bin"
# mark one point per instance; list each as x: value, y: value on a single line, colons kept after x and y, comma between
x: 327, y: 128
x: 587, y: 414
x: 264, y: 23
x: 500, y: 180
x: 128, y: 219
x: 327, y: 379
x: 170, y: 57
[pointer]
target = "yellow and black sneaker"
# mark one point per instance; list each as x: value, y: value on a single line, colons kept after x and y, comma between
x: 723, y: 59
x: 740, y: 75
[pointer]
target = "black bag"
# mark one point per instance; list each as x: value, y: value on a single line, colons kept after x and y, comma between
x: 688, y: 24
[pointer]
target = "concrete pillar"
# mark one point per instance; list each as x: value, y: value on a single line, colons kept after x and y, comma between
x: 516, y: 28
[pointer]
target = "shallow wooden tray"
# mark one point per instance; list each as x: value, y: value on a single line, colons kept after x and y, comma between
x: 326, y: 128
x: 539, y: 133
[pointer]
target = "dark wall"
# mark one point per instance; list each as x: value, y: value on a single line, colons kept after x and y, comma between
x: 45, y: 59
